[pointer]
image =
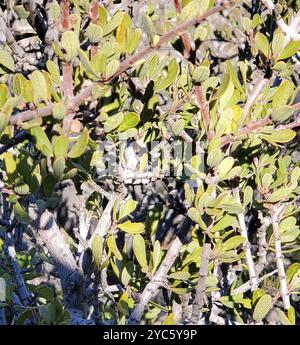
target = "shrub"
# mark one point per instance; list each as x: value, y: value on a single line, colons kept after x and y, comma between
x: 149, y: 162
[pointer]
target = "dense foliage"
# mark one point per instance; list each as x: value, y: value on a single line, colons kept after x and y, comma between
x: 149, y: 163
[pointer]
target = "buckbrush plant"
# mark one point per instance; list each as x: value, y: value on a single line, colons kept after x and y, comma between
x: 149, y: 162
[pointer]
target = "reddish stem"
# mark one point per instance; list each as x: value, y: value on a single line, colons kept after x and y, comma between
x: 64, y: 6
x: 94, y: 19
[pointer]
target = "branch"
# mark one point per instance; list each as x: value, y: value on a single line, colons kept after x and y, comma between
x: 184, y: 36
x: 47, y: 229
x: 125, y: 65
x: 257, y: 89
x: 256, y: 125
x: 246, y: 246
x: 10, y: 252
x: 262, y: 242
x: 290, y: 31
x: 275, y: 219
x: 200, y: 96
x: 155, y: 283
x: 247, y: 286
x: 202, y: 105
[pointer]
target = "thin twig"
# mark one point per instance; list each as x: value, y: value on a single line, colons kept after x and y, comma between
x: 247, y: 246
x: 275, y: 213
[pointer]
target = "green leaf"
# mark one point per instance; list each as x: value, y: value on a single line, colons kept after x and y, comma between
x: 290, y: 49
x: 10, y: 164
x: 283, y: 93
x: 7, y: 60
x: 248, y: 196
x: 128, y: 207
x: 289, y: 236
x: 263, y: 306
x: 42, y: 142
x: 279, y: 194
x: 123, y: 30
x: 292, y: 315
x: 22, y: 189
x: 112, y: 245
x: 226, y: 221
x: 20, y: 214
x: 225, y: 166
x: 94, y: 33
x: 173, y: 70
x: 148, y: 27
x: 283, y: 318
x: 233, y: 76
x: 279, y: 136
x: 80, y: 146
x: 139, y: 249
x: 278, y: 43
x: 224, y: 100
x: 133, y: 40
x: 130, y: 120
x: 233, y: 243
x: 113, y: 23
x: 54, y: 11
x: 200, y: 74
x: 194, y: 214
x: 39, y: 85
x: 4, y: 94
x: 113, y: 122
x: 19, y: 84
x: 233, y: 208
x: 247, y: 24
x: 111, y: 68
x: 282, y: 113
x: 132, y: 228
x: 59, y: 166
x: 127, y: 273
x: 60, y: 146
x: 97, y: 249
x: 223, y: 87
x: 178, y: 126
x: 86, y: 63
x: 180, y: 275
x: 70, y: 43
x: 59, y: 110
x: 54, y: 71
x: 99, y: 62
x: 262, y: 43
x: 214, y: 158
x: 156, y: 254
